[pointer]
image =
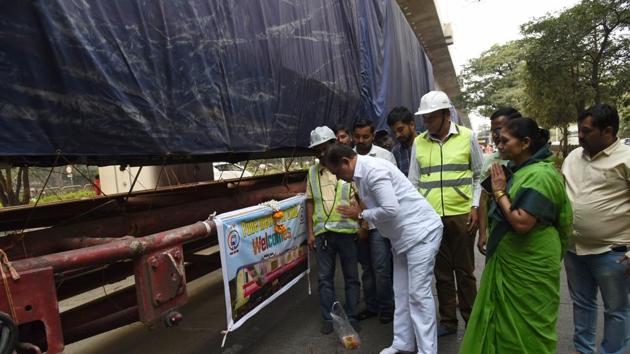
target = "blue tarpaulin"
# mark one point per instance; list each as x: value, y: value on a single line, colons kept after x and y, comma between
x: 142, y: 81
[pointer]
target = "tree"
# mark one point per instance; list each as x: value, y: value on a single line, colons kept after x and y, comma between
x: 576, y: 59
x: 565, y: 63
x: 493, y: 80
x: 11, y: 187
x: 623, y: 106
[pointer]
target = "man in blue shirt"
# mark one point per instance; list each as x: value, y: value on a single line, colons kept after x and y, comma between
x: 401, y: 122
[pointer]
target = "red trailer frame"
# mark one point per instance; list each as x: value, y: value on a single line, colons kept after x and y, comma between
x: 55, y: 263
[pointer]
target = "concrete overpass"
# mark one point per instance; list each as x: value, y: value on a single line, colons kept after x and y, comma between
x: 423, y: 18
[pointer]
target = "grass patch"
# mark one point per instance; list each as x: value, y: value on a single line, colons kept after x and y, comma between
x: 83, y: 194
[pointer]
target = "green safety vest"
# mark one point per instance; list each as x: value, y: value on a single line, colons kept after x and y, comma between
x: 445, y: 178
x: 322, y: 221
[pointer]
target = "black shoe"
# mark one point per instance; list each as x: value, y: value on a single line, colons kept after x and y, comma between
x: 386, y: 317
x: 356, y: 326
x: 327, y: 327
x: 365, y: 314
x: 443, y: 331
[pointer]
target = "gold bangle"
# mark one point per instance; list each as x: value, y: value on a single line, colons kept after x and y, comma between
x: 498, y: 195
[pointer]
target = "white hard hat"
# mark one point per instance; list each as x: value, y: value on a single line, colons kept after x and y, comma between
x: 433, y: 101
x: 321, y: 135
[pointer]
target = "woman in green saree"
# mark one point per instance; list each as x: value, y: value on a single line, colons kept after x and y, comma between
x: 530, y: 219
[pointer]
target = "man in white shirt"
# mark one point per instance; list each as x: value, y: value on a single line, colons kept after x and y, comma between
x: 406, y: 219
x: 374, y: 252
x: 363, y: 135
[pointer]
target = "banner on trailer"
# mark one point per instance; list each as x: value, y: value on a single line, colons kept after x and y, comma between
x: 263, y: 254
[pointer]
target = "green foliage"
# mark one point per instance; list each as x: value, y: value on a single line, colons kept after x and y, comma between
x: 565, y: 63
x: 494, y: 79
x: 52, y: 198
x: 623, y: 106
x: 573, y: 59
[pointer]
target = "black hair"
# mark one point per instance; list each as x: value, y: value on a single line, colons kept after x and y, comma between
x: 604, y: 115
x: 362, y: 123
x: 509, y: 112
x: 381, y: 133
x: 399, y: 114
x: 522, y: 128
x: 384, y: 140
x: 336, y: 153
x: 339, y: 128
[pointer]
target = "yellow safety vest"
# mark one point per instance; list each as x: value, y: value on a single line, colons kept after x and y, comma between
x: 445, y: 178
x: 322, y: 221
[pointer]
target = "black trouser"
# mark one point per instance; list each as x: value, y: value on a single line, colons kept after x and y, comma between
x: 455, y: 264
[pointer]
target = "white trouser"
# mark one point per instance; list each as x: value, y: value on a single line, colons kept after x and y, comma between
x: 414, y: 316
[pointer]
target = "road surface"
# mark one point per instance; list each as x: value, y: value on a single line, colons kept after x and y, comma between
x: 288, y: 326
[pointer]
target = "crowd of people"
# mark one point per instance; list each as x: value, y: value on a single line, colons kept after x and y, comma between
x: 410, y: 215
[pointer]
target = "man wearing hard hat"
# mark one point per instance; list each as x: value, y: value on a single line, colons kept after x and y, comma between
x: 329, y: 233
x: 445, y: 167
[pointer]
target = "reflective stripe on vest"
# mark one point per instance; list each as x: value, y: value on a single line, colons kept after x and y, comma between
x: 449, y: 167
x: 445, y: 175
x: 322, y: 221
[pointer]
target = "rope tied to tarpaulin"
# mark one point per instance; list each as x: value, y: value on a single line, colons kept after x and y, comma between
x: 7, y: 289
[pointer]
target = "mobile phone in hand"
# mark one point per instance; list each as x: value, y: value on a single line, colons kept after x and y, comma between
x: 486, y: 184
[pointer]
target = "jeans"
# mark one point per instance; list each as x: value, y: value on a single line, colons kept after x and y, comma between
x: 327, y: 246
x: 585, y: 274
x: 375, y: 256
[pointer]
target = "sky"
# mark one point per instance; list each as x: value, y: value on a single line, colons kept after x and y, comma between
x: 479, y: 24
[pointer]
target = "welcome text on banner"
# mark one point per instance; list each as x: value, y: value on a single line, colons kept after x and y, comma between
x: 260, y: 259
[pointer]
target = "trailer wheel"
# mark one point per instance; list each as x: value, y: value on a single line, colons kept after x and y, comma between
x: 8, y: 334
